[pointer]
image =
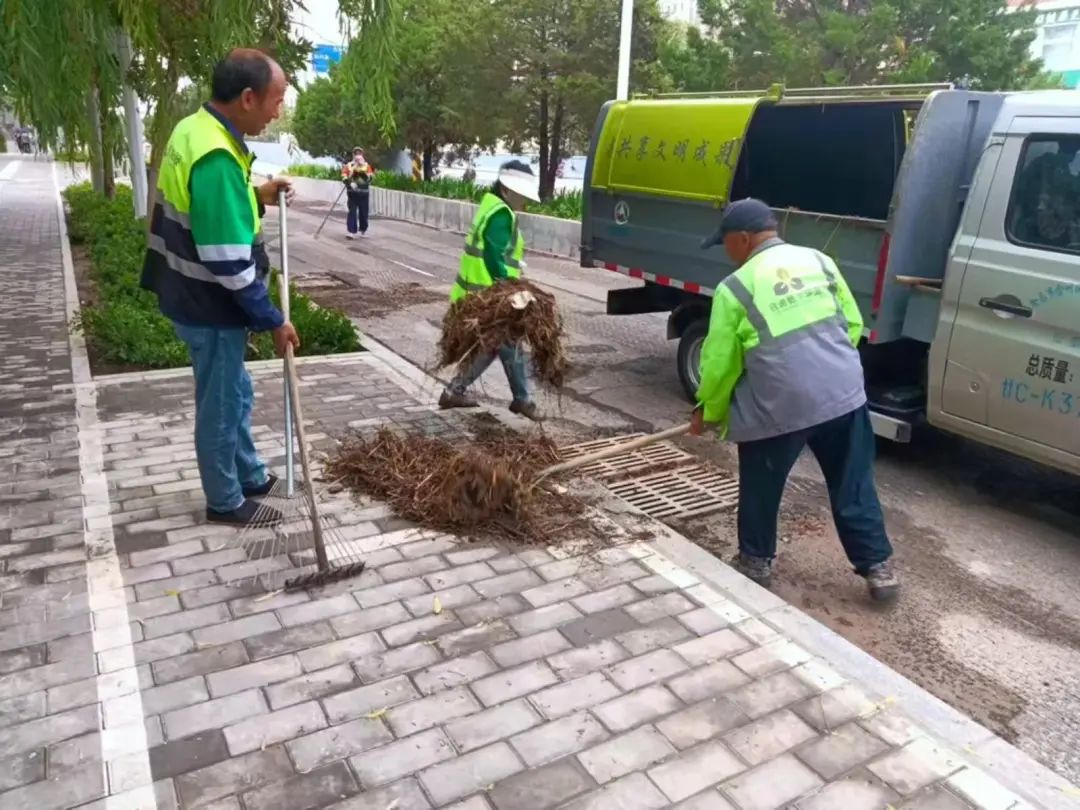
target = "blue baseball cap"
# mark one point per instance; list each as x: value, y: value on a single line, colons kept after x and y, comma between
x: 750, y: 215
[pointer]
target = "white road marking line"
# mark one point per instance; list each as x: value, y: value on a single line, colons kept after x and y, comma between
x: 9, y: 171
x: 104, y: 578
x: 406, y: 266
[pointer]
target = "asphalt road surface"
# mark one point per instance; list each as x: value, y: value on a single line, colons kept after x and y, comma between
x: 988, y: 546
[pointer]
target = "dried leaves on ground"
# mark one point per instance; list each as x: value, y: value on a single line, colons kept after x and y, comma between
x: 482, y: 322
x: 478, y: 488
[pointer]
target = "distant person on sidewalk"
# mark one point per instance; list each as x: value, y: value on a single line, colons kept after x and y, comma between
x: 207, y: 264
x: 356, y: 175
x: 494, y: 250
x: 780, y: 371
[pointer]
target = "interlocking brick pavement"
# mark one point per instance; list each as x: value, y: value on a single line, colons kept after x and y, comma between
x: 551, y: 677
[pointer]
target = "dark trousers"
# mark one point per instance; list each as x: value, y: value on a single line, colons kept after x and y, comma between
x: 358, y: 212
x: 844, y: 448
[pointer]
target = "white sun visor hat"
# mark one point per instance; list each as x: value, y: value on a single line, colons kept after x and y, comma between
x: 523, y: 183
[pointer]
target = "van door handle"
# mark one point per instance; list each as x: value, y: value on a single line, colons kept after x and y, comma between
x: 1003, y: 304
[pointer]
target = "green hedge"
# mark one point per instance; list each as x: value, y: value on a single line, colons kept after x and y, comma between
x: 125, y: 327
x: 564, y: 205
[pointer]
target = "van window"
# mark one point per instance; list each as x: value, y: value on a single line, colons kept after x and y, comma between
x: 1044, y: 211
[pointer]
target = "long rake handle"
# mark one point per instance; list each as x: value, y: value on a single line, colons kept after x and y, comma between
x: 614, y: 450
x: 309, y: 487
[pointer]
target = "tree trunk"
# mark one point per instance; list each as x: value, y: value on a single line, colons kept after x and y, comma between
x: 545, y: 145
x: 93, y: 120
x: 547, y: 179
x: 429, y: 161
x: 160, y: 130
x: 108, y: 144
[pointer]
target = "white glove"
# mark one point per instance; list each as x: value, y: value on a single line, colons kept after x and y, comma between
x: 523, y: 265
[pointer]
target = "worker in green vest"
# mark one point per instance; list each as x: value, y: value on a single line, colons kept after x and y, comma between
x: 208, y: 267
x: 780, y: 371
x: 494, y: 250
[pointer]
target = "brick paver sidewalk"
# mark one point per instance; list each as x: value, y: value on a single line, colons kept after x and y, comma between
x: 135, y: 673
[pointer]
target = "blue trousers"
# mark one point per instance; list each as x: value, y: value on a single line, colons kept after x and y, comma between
x: 224, y: 396
x: 357, y: 220
x: 844, y: 448
x: 513, y: 362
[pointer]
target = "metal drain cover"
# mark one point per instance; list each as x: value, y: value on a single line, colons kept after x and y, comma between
x: 641, y: 460
x: 680, y: 493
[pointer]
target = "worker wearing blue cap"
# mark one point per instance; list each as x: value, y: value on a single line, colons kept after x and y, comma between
x: 780, y: 371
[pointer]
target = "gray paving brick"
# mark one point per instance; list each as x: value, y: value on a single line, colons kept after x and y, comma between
x: 542, y: 788
x: 258, y: 732
x: 604, y: 576
x: 859, y: 791
x: 378, y: 666
x: 448, y: 599
x: 367, y: 699
x: 513, y: 683
x: 558, y: 591
x: 82, y: 646
x: 916, y: 765
x: 635, y: 708
x: 262, y: 603
x: 660, y: 607
x: 312, y: 685
x: 541, y: 645
x: 695, y: 770
x: 403, y: 795
x: 490, y: 609
x: 772, y: 785
x: 155, y: 649
x: 402, y: 758
x: 213, y: 714
x: 545, y: 618
x: 21, y: 769
x: 504, y: 565
x: 476, y: 637
x: 237, y: 629
x: 477, y: 730
x: 645, y: 669
x: 24, y: 658
x: 469, y: 773
x: 581, y: 661
x: 21, y: 708
x: 763, y: 697
x: 455, y: 672
x: 709, y: 800
x: 580, y: 693
x: 411, y: 568
x: 703, y: 721
x: 468, y: 556
x: 46, y: 730
x: 936, y: 799
x: 248, y: 676
x: 208, y: 561
x: 338, y: 652
x: 766, y: 738
x: 188, y: 754
x: 316, y: 610
x: 633, y: 792
x: 842, y: 750
x: 424, y: 548
x: 172, y: 585
x: 721, y: 644
x: 607, y: 599
x: 338, y: 742
x: 426, y: 627
x: 513, y: 583
x: 214, y: 593
x: 560, y: 569
x: 438, y: 709
x: 835, y: 707
x: 662, y: 633
x: 460, y: 575
x: 59, y: 792
x: 708, y: 681
x: 199, y: 663
x: 280, y: 642
x: 376, y: 618
x: 305, y: 791
x: 165, y: 553
x: 628, y: 752
x: 889, y: 725
x: 390, y: 592
x: 166, y: 698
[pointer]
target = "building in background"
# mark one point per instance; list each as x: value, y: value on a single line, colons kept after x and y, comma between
x: 1057, y: 39
x: 681, y: 11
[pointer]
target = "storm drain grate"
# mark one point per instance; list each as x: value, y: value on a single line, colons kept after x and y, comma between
x: 680, y: 493
x: 643, y: 460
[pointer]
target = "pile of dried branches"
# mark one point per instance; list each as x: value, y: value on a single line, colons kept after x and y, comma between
x: 482, y: 322
x: 481, y: 488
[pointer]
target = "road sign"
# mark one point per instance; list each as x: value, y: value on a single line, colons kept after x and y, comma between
x: 323, y: 56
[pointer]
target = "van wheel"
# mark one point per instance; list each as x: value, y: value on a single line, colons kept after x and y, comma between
x: 689, y: 357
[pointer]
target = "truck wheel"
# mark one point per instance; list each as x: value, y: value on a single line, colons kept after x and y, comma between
x: 689, y: 357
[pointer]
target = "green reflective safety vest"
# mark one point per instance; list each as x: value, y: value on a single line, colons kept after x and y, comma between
x: 781, y: 351
x: 473, y: 274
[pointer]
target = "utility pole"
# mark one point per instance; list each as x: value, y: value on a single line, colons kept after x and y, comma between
x: 625, y: 30
x: 134, y: 129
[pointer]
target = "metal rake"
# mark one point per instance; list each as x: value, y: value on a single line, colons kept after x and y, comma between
x: 298, y: 551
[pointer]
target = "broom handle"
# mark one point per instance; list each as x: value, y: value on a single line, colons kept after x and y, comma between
x: 283, y: 289
x: 614, y: 450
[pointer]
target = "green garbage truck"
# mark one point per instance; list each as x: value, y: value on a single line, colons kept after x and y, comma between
x: 953, y: 215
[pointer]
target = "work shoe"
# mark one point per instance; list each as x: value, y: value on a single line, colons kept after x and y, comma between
x: 350, y: 236
x: 526, y: 409
x: 758, y: 569
x: 248, y: 515
x: 261, y: 489
x: 882, y: 582
x: 450, y: 400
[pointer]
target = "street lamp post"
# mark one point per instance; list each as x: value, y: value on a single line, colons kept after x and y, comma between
x: 625, y: 29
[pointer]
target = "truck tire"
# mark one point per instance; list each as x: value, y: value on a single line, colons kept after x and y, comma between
x: 689, y: 356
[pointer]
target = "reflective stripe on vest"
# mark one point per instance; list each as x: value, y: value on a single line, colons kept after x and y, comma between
x: 473, y: 274
x: 194, y: 137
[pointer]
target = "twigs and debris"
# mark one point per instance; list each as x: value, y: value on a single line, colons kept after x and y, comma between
x: 481, y: 488
x: 508, y: 313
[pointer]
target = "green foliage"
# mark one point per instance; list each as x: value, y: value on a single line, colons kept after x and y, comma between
x: 125, y: 326
x: 329, y: 121
x: 564, y: 205
x: 314, y: 170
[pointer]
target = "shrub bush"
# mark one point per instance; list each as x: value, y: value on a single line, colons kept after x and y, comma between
x: 125, y: 326
x: 564, y: 205
x: 315, y: 170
